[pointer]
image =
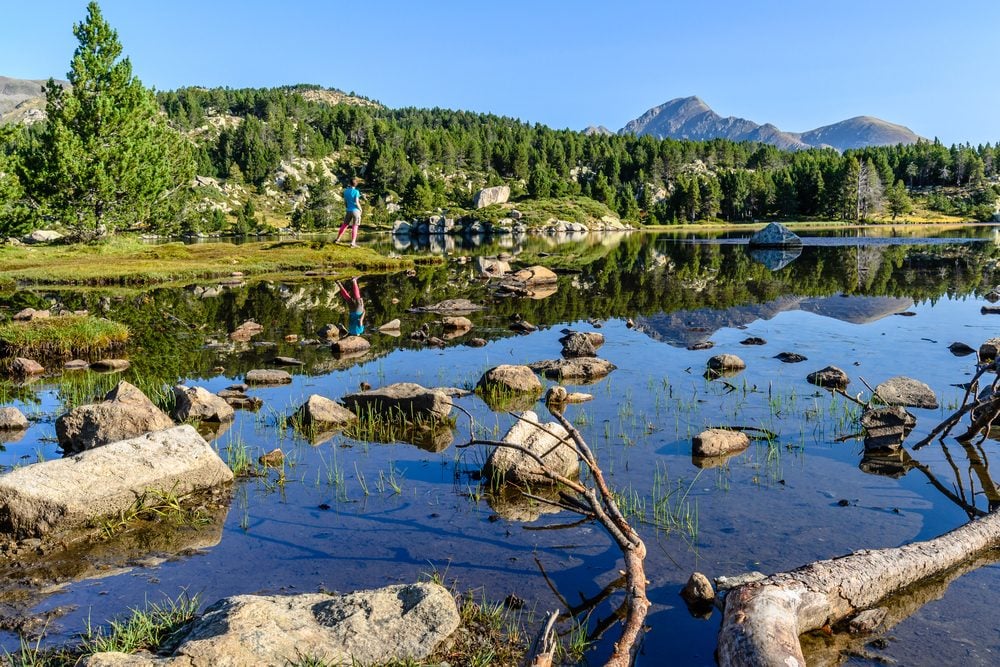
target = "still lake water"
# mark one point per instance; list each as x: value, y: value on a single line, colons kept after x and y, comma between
x: 353, y: 514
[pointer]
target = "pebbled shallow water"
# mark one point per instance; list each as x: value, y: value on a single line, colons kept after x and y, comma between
x: 350, y: 514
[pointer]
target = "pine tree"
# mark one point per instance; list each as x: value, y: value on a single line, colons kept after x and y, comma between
x: 106, y: 158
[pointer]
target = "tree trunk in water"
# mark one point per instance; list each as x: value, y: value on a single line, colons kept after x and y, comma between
x: 763, y: 620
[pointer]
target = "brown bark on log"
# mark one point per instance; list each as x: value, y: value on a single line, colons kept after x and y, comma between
x: 763, y: 620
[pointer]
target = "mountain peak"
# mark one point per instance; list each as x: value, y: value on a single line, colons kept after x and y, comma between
x: 691, y: 118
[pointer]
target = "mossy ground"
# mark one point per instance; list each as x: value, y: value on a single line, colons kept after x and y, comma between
x: 62, y: 336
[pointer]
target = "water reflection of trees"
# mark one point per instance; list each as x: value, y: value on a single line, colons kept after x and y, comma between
x: 640, y: 275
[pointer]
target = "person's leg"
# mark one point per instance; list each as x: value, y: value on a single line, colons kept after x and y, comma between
x: 344, y: 293
x: 343, y: 226
x: 357, y: 290
x: 354, y: 228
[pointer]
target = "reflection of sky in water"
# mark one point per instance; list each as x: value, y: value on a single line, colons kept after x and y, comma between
x: 769, y: 508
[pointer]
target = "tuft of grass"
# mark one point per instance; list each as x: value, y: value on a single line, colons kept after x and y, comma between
x: 62, y: 336
x: 146, y: 628
x: 154, y: 505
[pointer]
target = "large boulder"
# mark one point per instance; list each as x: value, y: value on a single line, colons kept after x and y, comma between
x: 901, y: 390
x: 507, y: 464
x: 401, y: 624
x: 582, y: 369
x: 496, y: 195
x: 67, y: 493
x: 775, y: 235
x: 200, y: 404
x: 320, y: 412
x: 124, y: 413
x: 42, y: 236
x: 404, y: 401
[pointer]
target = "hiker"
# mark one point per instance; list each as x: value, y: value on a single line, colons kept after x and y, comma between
x: 356, y: 321
x: 352, y: 201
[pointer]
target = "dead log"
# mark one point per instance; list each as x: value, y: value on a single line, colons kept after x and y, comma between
x: 763, y: 620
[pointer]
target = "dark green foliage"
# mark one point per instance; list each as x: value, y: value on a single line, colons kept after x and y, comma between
x: 105, y: 159
x: 318, y: 212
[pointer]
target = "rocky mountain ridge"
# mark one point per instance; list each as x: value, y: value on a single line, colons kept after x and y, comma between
x: 692, y: 118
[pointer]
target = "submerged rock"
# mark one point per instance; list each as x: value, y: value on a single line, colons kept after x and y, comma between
x: 790, y: 357
x: 111, y: 365
x: 125, y: 413
x: 698, y: 591
x: 545, y: 441
x: 960, y: 349
x: 68, y: 493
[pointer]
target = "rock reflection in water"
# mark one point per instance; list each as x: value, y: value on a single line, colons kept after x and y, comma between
x: 775, y: 259
x: 512, y: 504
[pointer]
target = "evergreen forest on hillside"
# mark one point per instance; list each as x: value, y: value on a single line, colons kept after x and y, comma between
x: 112, y: 156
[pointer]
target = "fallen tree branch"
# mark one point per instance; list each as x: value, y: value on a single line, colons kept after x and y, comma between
x: 763, y: 620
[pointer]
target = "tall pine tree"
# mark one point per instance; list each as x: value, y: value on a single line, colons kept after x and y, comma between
x: 106, y: 159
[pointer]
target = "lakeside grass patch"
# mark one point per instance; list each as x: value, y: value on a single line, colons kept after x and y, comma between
x: 129, y: 261
x: 61, y: 336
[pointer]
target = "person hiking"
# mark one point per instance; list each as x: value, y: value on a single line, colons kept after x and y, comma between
x: 352, y: 201
x: 356, y: 320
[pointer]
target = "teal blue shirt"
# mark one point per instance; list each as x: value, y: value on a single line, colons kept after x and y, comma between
x: 351, y: 199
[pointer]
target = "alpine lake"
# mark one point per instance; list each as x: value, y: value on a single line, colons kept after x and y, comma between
x: 345, y: 513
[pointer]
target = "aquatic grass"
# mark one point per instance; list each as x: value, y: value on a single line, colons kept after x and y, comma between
x: 61, y: 336
x: 155, y: 505
x: 147, y: 628
x: 239, y: 458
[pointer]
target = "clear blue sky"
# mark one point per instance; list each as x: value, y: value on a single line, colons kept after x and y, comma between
x: 929, y: 65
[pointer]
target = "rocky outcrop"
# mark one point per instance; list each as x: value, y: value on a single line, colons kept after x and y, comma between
x: 198, y: 403
x: 321, y: 412
x: 507, y: 464
x: 775, y: 235
x: 583, y: 369
x: 405, y: 401
x: 402, y: 624
x: 487, y: 196
x: 67, y: 493
x: 124, y: 413
x: 907, y: 392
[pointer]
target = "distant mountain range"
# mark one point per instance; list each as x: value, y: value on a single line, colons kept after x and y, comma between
x: 691, y: 118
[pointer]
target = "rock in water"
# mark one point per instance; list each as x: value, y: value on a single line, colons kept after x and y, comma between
x: 200, y: 404
x: 508, y: 464
x: 908, y: 392
x: 719, y: 442
x: 698, y: 592
x: 267, y: 376
x: 404, y: 401
x: 125, y: 413
x: 582, y: 369
x: 12, y: 419
x: 885, y: 428
x: 775, y: 235
x: 322, y: 412
x: 67, y: 493
x: 830, y: 377
x: 517, y: 379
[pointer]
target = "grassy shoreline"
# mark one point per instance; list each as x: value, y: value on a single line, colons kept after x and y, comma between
x: 128, y: 261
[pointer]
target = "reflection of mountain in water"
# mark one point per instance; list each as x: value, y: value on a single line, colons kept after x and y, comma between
x: 687, y: 327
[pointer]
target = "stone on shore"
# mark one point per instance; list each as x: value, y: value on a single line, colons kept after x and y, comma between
x: 124, y: 413
x: 67, y: 493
